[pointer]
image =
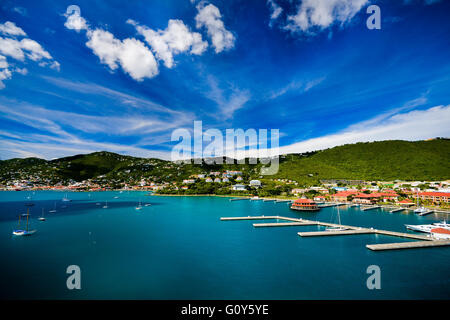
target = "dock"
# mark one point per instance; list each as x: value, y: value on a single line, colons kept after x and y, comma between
x: 408, y: 245
x: 330, y: 204
x: 283, y: 224
x: 335, y: 233
x: 396, y: 210
x: 423, y: 241
x: 248, y: 218
x: 370, y: 208
x: 237, y: 199
x: 426, y: 212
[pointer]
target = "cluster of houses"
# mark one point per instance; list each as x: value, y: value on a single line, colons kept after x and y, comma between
x: 215, y: 176
x: 222, y: 177
x: 359, y: 197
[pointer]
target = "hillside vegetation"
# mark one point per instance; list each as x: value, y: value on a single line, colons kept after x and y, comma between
x: 384, y: 160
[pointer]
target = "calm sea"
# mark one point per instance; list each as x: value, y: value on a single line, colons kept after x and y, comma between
x: 177, y: 248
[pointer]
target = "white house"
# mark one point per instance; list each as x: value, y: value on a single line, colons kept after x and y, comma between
x: 255, y: 183
x: 239, y: 187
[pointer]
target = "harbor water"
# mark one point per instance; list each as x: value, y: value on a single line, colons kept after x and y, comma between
x: 177, y: 248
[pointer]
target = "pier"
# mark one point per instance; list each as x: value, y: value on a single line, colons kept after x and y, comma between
x: 283, y: 224
x: 370, y: 208
x: 396, y: 210
x: 426, y: 212
x: 408, y: 245
x: 424, y: 241
x: 237, y: 199
x: 335, y: 233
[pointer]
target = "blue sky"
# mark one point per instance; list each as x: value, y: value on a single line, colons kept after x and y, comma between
x: 123, y: 75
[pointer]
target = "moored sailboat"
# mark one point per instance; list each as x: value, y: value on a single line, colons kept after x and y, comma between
x: 26, y: 232
x: 339, y: 227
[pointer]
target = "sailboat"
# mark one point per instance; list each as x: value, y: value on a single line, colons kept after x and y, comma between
x: 106, y: 205
x: 54, y: 209
x: 422, y: 209
x: 66, y: 199
x: 41, y: 218
x: 340, y: 228
x: 26, y: 232
x: 139, y: 207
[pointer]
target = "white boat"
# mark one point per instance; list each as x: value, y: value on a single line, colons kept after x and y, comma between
x: 426, y: 228
x: 442, y: 224
x: 339, y: 223
x: 106, y: 205
x: 41, y: 218
x: 139, y: 207
x: 66, y: 199
x: 420, y: 210
x: 54, y: 209
x: 147, y: 204
x: 440, y: 233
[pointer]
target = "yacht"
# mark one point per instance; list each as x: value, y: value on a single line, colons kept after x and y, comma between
x: 428, y: 227
x: 420, y: 210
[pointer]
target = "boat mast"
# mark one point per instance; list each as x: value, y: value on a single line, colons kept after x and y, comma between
x: 339, y: 216
x: 28, y: 213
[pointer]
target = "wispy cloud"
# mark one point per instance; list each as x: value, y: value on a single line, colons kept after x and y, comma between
x: 229, y: 100
x: 297, y: 87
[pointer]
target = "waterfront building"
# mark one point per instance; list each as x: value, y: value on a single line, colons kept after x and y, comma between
x: 305, y: 205
x: 319, y: 198
x: 343, y: 196
x: 188, y: 181
x: 436, y: 197
x: 363, y: 198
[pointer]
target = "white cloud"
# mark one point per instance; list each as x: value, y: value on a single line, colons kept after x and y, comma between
x: 209, y: 16
x: 131, y: 54
x: 21, y: 50
x: 175, y: 39
x: 25, y: 47
x: 275, y: 9
x: 5, y: 73
x: 321, y: 14
x: 9, y: 28
x: 75, y: 22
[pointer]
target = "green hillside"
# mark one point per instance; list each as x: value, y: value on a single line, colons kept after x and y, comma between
x: 384, y: 160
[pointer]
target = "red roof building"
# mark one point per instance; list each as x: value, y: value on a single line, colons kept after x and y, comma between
x: 434, y: 196
x: 304, y: 205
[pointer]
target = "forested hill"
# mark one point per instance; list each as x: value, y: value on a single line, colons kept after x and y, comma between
x: 384, y: 160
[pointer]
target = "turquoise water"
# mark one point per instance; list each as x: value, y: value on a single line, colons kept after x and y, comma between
x: 178, y: 248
